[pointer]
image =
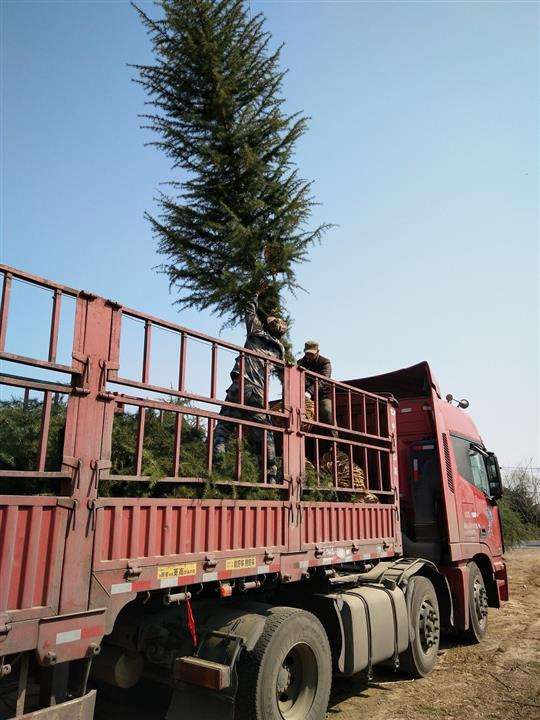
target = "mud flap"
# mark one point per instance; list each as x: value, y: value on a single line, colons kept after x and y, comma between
x: 193, y: 701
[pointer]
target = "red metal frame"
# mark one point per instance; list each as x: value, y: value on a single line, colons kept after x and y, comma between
x: 104, y: 550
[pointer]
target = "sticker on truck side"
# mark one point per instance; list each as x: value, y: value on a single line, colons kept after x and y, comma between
x: 164, y: 572
x: 241, y: 563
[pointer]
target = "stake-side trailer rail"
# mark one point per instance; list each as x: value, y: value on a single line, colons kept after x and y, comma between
x: 71, y: 561
x: 114, y: 509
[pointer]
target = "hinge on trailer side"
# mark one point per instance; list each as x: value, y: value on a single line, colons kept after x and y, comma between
x: 104, y: 367
x: 84, y: 385
x: 75, y: 464
x: 5, y: 624
x: 133, y: 570
x: 97, y: 466
x: 70, y: 504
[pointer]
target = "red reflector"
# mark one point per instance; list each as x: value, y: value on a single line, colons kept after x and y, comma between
x: 225, y: 590
x: 205, y: 673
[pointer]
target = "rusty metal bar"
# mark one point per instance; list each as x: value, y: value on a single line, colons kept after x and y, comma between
x: 44, y: 430
x: 179, y: 419
x: 195, y: 412
x: 387, y: 448
x: 242, y: 365
x: 146, y: 356
x: 158, y: 322
x: 239, y: 447
x: 55, y: 323
x: 378, y: 417
x: 317, y: 462
x: 266, y: 384
x: 364, y: 412
x: 264, y: 455
x: 36, y: 280
x: 184, y: 395
x: 34, y: 362
x: 187, y: 481
x: 379, y: 469
x: 334, y: 463
x: 4, y: 309
x: 33, y: 384
x: 349, y: 410
x: 351, y: 465
x: 182, y: 368
x: 35, y: 475
x: 140, y: 440
x: 366, y: 469
x: 210, y: 445
x: 316, y: 401
x: 213, y: 382
x: 114, y: 340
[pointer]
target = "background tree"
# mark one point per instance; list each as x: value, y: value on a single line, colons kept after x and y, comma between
x: 237, y: 220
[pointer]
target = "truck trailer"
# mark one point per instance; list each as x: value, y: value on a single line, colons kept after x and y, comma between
x: 244, y: 598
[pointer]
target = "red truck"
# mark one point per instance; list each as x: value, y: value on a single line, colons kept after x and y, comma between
x: 243, y: 598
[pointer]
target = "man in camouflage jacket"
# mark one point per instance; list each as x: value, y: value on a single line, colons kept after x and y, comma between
x: 263, y: 338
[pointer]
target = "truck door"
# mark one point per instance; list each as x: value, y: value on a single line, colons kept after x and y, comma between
x: 485, y: 509
x: 467, y: 494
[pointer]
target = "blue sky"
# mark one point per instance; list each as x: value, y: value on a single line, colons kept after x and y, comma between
x: 423, y: 145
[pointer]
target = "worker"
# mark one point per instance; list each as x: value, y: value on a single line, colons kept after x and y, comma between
x: 315, y: 362
x: 264, y: 338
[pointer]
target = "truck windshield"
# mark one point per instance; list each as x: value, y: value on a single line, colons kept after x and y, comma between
x: 479, y: 473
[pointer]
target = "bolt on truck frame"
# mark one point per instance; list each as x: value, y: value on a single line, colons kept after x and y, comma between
x: 244, y: 608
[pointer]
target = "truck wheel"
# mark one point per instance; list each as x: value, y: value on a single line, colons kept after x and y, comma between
x: 478, y: 605
x: 420, y: 657
x: 287, y: 675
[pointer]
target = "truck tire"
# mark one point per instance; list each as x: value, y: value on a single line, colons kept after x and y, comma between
x: 288, y: 674
x: 424, y: 618
x: 478, y: 605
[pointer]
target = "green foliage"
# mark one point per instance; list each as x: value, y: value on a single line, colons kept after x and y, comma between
x: 515, y: 531
x: 237, y: 220
x: 315, y: 485
x: 520, y: 507
x: 20, y: 424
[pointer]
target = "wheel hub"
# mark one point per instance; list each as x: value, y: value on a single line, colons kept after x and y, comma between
x: 480, y: 600
x: 296, y: 683
x: 428, y: 626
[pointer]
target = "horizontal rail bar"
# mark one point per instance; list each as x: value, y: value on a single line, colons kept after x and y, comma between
x: 194, y: 334
x: 354, y: 443
x: 45, y: 364
x: 191, y: 481
x: 35, y: 475
x: 33, y: 383
x: 193, y: 397
x: 199, y: 412
x: 346, y: 388
x: 333, y: 488
x: 36, y: 280
x: 344, y: 432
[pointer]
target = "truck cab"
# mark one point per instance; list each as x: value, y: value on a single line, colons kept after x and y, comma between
x: 449, y: 483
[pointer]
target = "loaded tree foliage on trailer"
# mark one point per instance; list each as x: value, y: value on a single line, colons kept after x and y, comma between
x: 235, y: 217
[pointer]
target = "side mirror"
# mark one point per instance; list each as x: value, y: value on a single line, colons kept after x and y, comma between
x: 494, y: 476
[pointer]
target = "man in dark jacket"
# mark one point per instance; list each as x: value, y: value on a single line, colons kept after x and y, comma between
x: 264, y: 338
x: 315, y: 362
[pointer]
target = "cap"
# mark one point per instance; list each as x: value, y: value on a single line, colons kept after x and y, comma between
x: 311, y: 347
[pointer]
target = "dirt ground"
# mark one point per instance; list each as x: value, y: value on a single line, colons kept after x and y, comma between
x: 500, y: 678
